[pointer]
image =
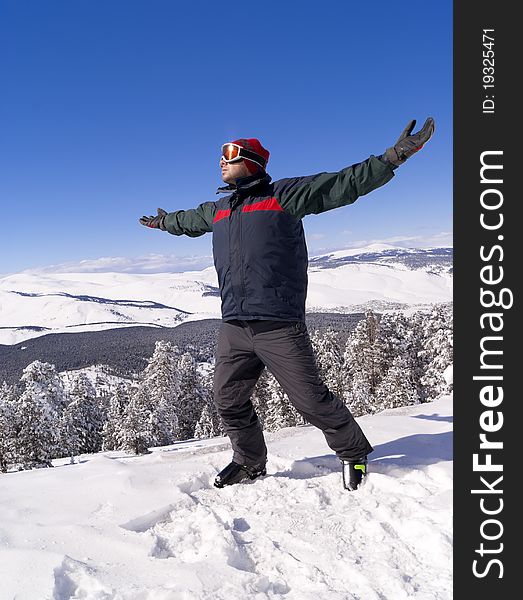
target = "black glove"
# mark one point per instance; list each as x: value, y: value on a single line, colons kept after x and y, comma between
x: 408, y: 144
x: 155, y: 222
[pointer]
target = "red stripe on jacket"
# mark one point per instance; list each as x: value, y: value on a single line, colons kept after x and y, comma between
x: 269, y: 204
x: 221, y: 214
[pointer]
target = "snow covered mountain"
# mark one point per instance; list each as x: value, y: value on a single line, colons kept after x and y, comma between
x: 378, y: 276
x: 120, y: 527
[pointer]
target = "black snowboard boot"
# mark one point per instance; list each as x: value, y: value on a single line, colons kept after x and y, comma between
x: 234, y: 473
x: 354, y: 471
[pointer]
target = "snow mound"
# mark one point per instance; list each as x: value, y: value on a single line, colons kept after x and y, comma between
x: 153, y: 527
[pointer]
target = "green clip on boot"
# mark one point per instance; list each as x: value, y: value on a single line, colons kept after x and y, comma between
x: 354, y: 471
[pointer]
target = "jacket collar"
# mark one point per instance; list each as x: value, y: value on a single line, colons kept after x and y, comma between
x: 245, y: 183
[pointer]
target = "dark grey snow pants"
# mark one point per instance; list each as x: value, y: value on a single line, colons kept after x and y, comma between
x: 244, y: 349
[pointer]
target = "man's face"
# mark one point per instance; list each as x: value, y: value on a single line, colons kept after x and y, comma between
x: 233, y: 171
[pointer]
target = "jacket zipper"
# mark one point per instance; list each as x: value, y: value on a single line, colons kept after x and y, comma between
x: 234, y: 207
x: 240, y: 221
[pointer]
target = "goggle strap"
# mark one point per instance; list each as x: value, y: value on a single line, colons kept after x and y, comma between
x: 254, y: 157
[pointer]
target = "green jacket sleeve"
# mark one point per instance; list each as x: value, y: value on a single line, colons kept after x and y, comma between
x: 193, y: 222
x: 315, y: 194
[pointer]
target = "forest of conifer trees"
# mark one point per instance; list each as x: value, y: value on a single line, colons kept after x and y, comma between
x: 389, y: 360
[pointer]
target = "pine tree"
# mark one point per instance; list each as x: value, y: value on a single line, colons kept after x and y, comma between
x: 361, y: 366
x: 436, y: 354
x: 397, y: 388
x: 209, y: 423
x: 360, y: 396
x: 101, y: 382
x: 150, y: 418
x: 190, y: 399
x: 136, y: 431
x: 272, y: 405
x: 279, y: 411
x: 54, y: 387
x: 260, y: 396
x: 85, y: 418
x: 37, y: 419
x: 329, y: 359
x: 118, y: 402
x: 392, y: 340
x: 70, y: 442
x: 397, y: 346
x: 7, y: 426
x: 161, y: 385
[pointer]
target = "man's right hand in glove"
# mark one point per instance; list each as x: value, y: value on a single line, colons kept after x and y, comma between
x: 155, y: 222
x: 408, y: 143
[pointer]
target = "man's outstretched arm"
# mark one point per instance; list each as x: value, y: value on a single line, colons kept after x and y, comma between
x: 315, y: 194
x: 193, y: 222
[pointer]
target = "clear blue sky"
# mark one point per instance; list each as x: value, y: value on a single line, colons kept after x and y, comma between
x: 112, y: 108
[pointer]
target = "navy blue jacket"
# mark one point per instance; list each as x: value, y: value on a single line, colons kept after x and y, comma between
x: 259, y: 247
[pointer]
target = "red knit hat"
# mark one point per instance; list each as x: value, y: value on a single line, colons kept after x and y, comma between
x: 253, y: 145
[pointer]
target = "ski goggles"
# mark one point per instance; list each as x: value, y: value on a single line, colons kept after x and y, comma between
x: 234, y: 153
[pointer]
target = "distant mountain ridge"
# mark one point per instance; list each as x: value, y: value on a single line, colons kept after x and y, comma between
x: 378, y: 276
x: 84, y: 298
x: 433, y: 260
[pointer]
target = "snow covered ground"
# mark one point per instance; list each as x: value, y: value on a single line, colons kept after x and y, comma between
x: 116, y: 527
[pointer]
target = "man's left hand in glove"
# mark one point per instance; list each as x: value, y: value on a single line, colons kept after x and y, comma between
x: 408, y: 143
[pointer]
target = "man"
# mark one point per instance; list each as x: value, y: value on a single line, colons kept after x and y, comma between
x: 260, y: 256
